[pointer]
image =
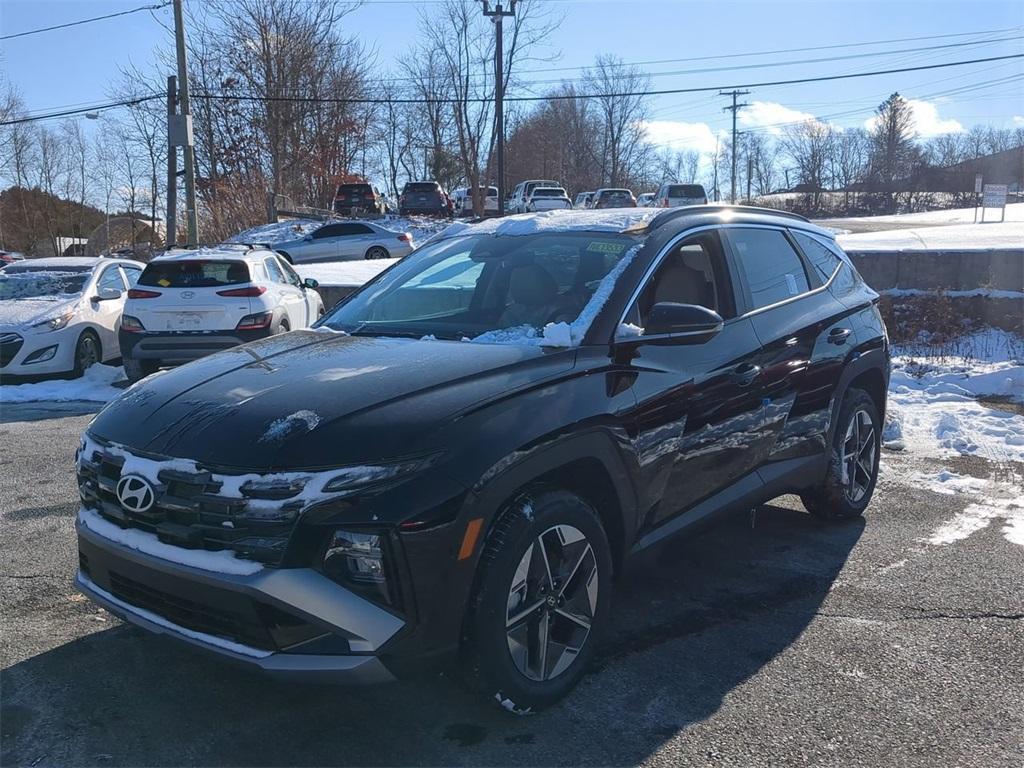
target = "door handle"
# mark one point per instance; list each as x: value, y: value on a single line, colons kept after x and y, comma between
x: 839, y: 335
x: 744, y: 374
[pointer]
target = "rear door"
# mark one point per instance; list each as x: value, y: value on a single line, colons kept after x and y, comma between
x: 310, y: 296
x: 804, y: 333
x: 191, y: 295
x: 699, y: 413
x: 291, y: 298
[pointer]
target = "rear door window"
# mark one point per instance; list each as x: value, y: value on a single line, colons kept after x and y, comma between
x: 111, y: 279
x: 194, y: 274
x: 685, y: 190
x: 340, y: 230
x: 770, y: 268
x: 274, y: 270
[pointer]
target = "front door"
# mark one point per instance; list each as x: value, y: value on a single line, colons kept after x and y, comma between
x: 699, y: 406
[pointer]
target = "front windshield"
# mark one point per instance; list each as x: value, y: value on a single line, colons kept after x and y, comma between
x: 35, y: 285
x: 484, y: 285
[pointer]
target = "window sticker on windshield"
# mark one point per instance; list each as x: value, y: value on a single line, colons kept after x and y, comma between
x: 602, y: 246
x: 791, y: 284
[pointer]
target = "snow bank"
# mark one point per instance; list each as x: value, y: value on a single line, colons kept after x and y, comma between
x: 94, y: 386
x: 344, y: 274
x: 958, y: 237
x: 1014, y: 213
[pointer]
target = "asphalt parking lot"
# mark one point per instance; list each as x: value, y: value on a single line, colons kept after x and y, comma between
x: 772, y: 640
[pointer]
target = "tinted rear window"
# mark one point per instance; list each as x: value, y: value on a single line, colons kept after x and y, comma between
x: 421, y: 187
x: 686, y: 190
x: 194, y: 274
x: 771, y: 268
x: 359, y: 189
x: 548, y: 192
x: 616, y: 194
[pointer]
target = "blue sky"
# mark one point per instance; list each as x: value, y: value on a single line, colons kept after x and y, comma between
x: 74, y: 66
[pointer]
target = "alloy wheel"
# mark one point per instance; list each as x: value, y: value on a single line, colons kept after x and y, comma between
x: 87, y: 354
x: 551, y: 603
x: 858, y: 456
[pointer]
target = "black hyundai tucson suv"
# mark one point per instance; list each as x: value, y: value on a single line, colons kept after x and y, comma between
x: 457, y: 461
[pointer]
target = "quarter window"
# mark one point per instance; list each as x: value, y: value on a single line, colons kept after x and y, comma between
x: 768, y: 264
x: 824, y: 261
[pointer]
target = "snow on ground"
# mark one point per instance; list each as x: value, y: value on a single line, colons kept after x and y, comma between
x: 94, y: 386
x: 1014, y: 213
x: 420, y: 227
x: 347, y: 274
x: 933, y: 398
x: 960, y: 237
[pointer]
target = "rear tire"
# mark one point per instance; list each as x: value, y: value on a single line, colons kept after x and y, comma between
x: 377, y: 252
x: 87, y: 353
x: 853, y: 461
x: 283, y: 326
x: 541, y: 601
x: 136, y: 370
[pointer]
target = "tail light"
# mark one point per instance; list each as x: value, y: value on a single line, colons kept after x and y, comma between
x: 131, y: 324
x: 405, y: 237
x: 252, y: 290
x: 138, y: 293
x: 255, y: 322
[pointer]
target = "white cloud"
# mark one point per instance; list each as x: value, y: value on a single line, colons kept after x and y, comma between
x: 1018, y: 119
x: 926, y: 120
x: 771, y: 116
x: 674, y: 134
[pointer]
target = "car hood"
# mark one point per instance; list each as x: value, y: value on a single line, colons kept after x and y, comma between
x: 20, y: 313
x: 314, y: 400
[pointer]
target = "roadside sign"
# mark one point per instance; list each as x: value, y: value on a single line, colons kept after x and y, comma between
x: 977, y: 184
x: 994, y: 196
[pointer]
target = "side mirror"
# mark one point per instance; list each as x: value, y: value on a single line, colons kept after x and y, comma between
x: 689, y: 323
x: 107, y: 294
x: 309, y: 282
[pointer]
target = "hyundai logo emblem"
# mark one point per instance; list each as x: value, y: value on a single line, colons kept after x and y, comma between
x: 187, y: 294
x: 135, y: 493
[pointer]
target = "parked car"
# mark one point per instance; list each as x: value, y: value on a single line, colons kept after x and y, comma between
x: 463, y: 201
x: 614, y: 198
x: 9, y: 257
x: 548, y: 199
x: 359, y: 197
x: 425, y: 198
x: 677, y: 195
x: 458, y: 459
x: 644, y: 200
x: 347, y: 241
x: 60, y: 315
x: 521, y: 193
x: 190, y: 304
x: 583, y: 200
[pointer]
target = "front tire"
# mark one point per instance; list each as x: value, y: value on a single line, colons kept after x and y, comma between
x: 541, y: 602
x: 87, y: 353
x: 853, y: 461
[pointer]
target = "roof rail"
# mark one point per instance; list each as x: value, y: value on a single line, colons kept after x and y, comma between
x: 673, y: 213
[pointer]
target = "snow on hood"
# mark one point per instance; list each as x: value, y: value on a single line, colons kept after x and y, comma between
x: 611, y: 220
x: 25, y: 312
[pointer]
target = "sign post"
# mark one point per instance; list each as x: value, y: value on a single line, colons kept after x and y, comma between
x: 994, y: 196
x: 977, y: 191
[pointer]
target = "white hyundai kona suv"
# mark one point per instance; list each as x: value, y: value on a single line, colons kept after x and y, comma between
x: 195, y: 302
x: 60, y: 315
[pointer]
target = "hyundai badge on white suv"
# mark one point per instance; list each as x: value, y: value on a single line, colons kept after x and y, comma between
x: 197, y: 302
x: 60, y: 315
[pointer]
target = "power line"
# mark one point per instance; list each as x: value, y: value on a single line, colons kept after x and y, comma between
x: 553, y: 97
x: 84, y: 21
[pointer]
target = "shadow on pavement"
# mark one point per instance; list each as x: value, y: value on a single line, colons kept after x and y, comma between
x: 40, y: 411
x: 689, y: 624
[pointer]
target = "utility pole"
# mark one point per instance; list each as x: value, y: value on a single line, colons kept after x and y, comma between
x: 497, y: 15
x: 180, y: 129
x: 172, y: 164
x: 734, y: 109
x: 750, y: 169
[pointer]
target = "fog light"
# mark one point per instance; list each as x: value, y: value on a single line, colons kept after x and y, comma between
x: 41, y: 355
x: 357, y: 557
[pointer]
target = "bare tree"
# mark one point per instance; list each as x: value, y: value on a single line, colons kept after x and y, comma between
x: 609, y: 83
x: 849, y: 161
x: 809, y: 145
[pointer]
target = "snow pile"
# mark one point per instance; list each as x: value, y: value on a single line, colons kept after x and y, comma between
x: 933, y: 401
x: 1014, y: 213
x: 344, y: 274
x: 564, y: 334
x: 94, y: 386
x: 958, y: 237
x: 992, y: 500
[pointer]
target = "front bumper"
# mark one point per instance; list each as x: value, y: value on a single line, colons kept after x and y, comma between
x: 182, y: 346
x: 226, y: 614
x: 18, y: 346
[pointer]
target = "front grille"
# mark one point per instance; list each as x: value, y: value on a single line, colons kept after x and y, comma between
x: 189, y: 511
x: 192, y: 615
x: 10, y: 345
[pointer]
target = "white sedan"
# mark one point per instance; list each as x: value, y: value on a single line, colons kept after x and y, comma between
x: 61, y: 315
x: 347, y: 241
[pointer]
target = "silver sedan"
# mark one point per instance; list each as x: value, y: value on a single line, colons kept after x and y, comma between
x: 347, y: 241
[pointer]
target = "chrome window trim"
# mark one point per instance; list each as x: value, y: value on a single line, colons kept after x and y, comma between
x: 704, y: 228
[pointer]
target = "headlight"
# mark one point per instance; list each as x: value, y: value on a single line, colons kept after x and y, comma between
x: 365, y: 476
x: 55, y: 323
